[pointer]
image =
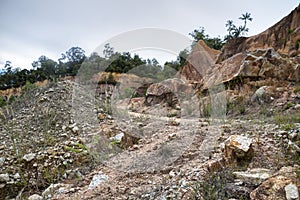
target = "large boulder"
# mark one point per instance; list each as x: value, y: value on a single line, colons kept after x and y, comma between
x: 238, y: 150
x: 168, y: 91
x: 281, y: 186
x: 273, y: 188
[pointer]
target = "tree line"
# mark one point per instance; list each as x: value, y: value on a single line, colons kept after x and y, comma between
x: 71, y: 61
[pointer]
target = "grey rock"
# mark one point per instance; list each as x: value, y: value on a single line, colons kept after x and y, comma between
x: 291, y: 192
x: 75, y: 129
x: 35, y: 197
x: 2, y: 160
x: 29, y: 157
x: 4, y: 177
x: 50, y: 190
x: 97, y: 179
x: 117, y: 137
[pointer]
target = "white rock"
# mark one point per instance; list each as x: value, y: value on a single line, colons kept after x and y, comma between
x: 17, y: 176
x: 172, y: 174
x: 29, y: 157
x: 4, y: 177
x: 97, y: 179
x: 297, y: 106
x: 239, y: 142
x: 50, y: 190
x: 61, y: 190
x: 75, y: 129
x: 2, y: 160
x: 35, y: 197
x: 291, y: 192
x: 254, y: 176
x: 117, y: 137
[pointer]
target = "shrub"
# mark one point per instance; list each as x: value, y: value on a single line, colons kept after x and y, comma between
x: 214, y: 187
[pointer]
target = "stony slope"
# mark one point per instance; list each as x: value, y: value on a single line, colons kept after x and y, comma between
x: 180, y: 141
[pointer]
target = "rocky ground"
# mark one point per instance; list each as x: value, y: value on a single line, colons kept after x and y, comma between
x: 226, y: 127
x: 253, y: 153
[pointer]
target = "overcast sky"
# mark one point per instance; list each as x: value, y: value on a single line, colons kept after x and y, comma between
x: 30, y: 28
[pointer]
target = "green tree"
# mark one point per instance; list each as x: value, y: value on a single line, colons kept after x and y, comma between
x: 108, y: 51
x: 75, y: 55
x: 45, y: 66
x: 212, y: 42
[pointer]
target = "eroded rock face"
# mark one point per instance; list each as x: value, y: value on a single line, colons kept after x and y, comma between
x: 200, y: 60
x: 284, y: 37
x: 261, y: 64
x: 267, y: 63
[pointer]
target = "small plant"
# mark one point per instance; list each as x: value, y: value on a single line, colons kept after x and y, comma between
x: 281, y: 119
x: 297, y: 89
x: 28, y: 86
x: 290, y: 31
x: 288, y: 127
x: 207, y: 109
x: 215, y: 187
x: 114, y: 142
x: 2, y: 101
x: 49, y: 123
x: 81, y: 146
x: 72, y: 149
x: 288, y: 106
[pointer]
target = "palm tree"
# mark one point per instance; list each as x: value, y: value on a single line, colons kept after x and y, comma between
x: 245, y: 17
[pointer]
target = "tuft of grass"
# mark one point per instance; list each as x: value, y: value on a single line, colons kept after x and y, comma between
x: 72, y: 149
x: 207, y: 109
x: 114, y: 142
x: 288, y: 106
x: 297, y: 89
x: 281, y: 119
x: 81, y: 146
x: 290, y: 31
x: 288, y: 127
x: 28, y: 86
